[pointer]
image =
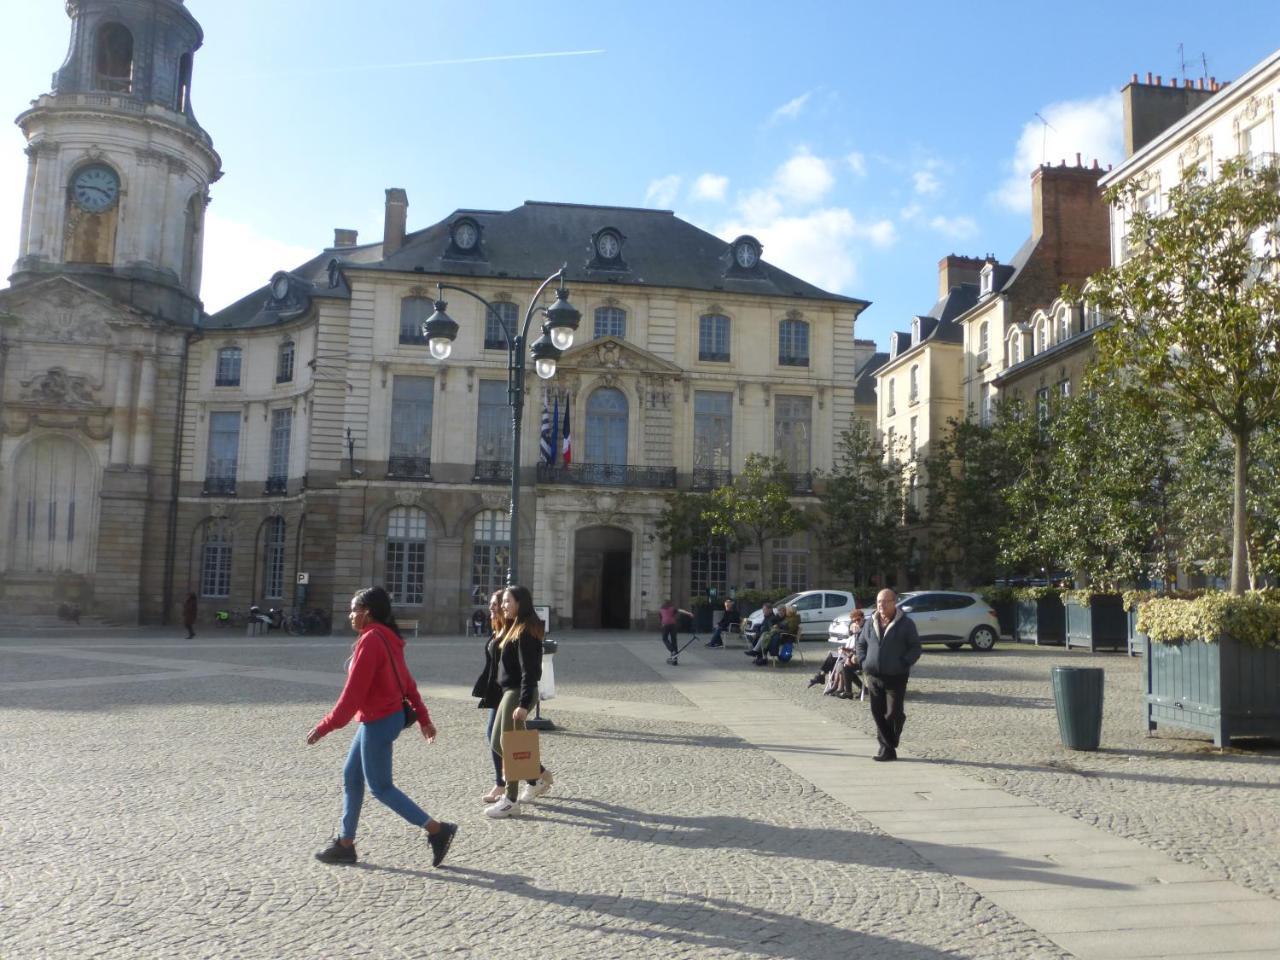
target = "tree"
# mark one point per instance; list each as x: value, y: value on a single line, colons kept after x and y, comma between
x: 1023, y: 440
x: 757, y: 506
x: 861, y: 508
x: 685, y: 523
x: 1195, y: 312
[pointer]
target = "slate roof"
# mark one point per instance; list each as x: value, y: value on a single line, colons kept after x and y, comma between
x: 864, y: 381
x: 533, y: 240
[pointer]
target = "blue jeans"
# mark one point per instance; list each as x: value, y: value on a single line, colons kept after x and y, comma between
x: 370, y: 761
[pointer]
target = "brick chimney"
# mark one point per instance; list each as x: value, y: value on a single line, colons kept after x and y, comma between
x: 1071, y: 221
x: 953, y: 270
x: 343, y: 237
x: 1151, y: 108
x: 397, y: 215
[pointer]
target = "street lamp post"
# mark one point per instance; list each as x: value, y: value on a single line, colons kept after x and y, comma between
x: 557, y: 336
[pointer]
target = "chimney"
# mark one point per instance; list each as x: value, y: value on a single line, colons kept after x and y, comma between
x: 397, y: 214
x: 1070, y: 221
x: 863, y: 350
x: 954, y: 270
x: 1151, y: 108
x: 343, y: 237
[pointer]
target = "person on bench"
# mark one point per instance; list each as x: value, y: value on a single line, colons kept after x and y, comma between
x: 768, y: 620
x: 788, y: 625
x: 730, y: 621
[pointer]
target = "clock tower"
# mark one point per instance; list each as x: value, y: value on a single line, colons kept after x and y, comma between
x: 119, y: 169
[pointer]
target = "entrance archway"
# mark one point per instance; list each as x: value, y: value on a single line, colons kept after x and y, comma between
x: 602, y: 578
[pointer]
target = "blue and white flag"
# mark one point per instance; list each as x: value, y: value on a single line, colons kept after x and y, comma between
x: 555, y: 433
x: 544, y: 440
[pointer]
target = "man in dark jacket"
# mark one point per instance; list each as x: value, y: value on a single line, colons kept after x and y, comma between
x: 728, y: 620
x: 888, y: 647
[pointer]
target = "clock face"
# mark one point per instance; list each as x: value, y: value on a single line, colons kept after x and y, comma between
x: 465, y: 235
x: 746, y: 255
x: 95, y: 188
x: 607, y: 246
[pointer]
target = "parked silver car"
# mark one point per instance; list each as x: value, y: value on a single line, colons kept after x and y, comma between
x: 940, y: 616
x: 816, y: 609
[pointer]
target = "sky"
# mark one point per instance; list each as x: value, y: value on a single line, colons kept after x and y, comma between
x: 860, y: 142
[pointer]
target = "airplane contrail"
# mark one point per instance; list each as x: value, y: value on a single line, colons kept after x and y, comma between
x: 441, y: 63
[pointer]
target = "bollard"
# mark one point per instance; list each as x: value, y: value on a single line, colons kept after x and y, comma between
x: 1077, y: 693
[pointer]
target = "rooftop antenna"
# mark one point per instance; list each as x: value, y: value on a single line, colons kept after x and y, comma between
x: 1204, y: 61
x: 1182, y: 59
x: 1044, y: 139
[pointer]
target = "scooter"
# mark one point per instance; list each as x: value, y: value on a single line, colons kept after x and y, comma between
x: 271, y: 619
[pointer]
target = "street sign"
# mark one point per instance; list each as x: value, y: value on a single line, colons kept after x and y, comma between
x: 304, y: 579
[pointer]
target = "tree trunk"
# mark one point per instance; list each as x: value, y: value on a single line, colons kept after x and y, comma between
x: 1239, y: 516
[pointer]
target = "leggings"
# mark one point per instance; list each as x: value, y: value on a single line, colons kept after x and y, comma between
x: 500, y: 721
x: 670, y: 639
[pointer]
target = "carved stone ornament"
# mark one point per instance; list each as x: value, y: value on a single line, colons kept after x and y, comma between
x: 276, y: 511
x: 1254, y: 106
x: 494, y: 500
x: 408, y: 498
x: 610, y: 356
x: 218, y: 511
x: 56, y: 387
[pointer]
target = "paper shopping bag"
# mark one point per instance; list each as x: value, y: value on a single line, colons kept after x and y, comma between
x: 520, y: 760
x: 547, y: 685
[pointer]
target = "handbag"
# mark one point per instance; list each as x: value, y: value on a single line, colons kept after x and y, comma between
x: 521, y: 759
x: 410, y: 715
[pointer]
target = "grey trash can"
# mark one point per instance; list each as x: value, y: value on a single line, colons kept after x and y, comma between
x: 1077, y: 692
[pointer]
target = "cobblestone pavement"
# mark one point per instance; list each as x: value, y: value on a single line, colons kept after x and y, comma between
x: 156, y: 800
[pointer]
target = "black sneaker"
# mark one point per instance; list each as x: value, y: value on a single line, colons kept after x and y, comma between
x: 337, y: 853
x: 886, y: 755
x: 441, y: 841
x: 760, y: 662
x: 715, y: 643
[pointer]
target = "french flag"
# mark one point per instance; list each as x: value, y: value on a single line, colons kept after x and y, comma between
x: 567, y: 455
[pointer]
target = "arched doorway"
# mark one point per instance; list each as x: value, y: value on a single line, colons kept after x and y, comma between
x: 602, y: 578
x: 53, y: 524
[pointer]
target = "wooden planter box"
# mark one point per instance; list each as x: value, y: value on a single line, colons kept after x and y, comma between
x: 1224, y: 689
x: 1042, y: 622
x: 1099, y: 626
x: 1137, y: 640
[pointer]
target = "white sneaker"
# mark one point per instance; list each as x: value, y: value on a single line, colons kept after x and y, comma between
x: 531, y: 791
x: 502, y: 809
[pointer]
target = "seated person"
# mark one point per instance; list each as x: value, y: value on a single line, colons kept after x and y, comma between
x: 768, y: 618
x: 728, y: 620
x: 840, y: 670
x: 788, y: 625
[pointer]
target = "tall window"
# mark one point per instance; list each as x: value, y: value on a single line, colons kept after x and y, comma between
x: 215, y: 560
x: 791, y: 428
x: 915, y: 440
x: 413, y: 313
x: 1064, y: 389
x: 490, y: 553
x: 1041, y: 337
x: 227, y: 372
x: 113, y: 59
x: 610, y: 322
x: 712, y: 438
x: 891, y: 445
x: 1042, y: 405
x: 985, y: 402
x: 891, y: 402
x: 793, y: 343
x: 713, y: 337
x: 1063, y: 322
x: 708, y: 569
x: 284, y: 362
x: 406, y: 554
x: 493, y: 429
x: 606, y: 442
x: 273, y: 560
x: 984, y: 338
x: 503, y: 311
x: 411, y: 405
x: 790, y: 565
x: 913, y: 391
x: 224, y: 451
x: 278, y: 461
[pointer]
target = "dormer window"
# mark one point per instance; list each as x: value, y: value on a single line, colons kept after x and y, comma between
x: 606, y: 250
x: 744, y: 255
x: 1062, y: 322
x: 986, y: 280
x: 915, y: 330
x: 464, y: 238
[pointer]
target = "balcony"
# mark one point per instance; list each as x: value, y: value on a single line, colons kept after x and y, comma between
x: 492, y: 471
x: 219, y: 486
x: 608, y: 475
x: 705, y: 478
x: 793, y: 360
x: 800, y: 482
x: 408, y: 468
x: 276, y: 486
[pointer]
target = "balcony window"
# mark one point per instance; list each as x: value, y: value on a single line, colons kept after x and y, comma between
x: 713, y: 338
x: 606, y: 440
x: 223, y: 452
x: 791, y: 432
x: 712, y: 438
x: 278, y: 459
x: 493, y: 427
x: 412, y: 401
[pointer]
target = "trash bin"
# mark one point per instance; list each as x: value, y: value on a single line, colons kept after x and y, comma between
x: 1077, y: 692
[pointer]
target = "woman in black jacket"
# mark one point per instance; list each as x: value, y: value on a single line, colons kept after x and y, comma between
x: 515, y: 667
x: 490, y: 693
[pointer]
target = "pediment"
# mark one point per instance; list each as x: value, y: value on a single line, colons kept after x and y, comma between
x: 616, y: 354
x: 60, y: 310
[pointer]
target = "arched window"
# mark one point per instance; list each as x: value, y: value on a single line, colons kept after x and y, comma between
x: 215, y: 560
x: 913, y: 389
x: 113, y: 59
x: 490, y: 553
x: 1014, y: 347
x: 406, y: 554
x: 273, y: 560
x: 984, y: 341
x: 793, y: 343
x: 713, y: 338
x: 284, y: 362
x: 227, y: 372
x: 606, y: 446
x: 413, y: 313
x: 184, y: 83
x: 54, y: 484
x: 504, y: 311
x: 1040, y: 336
x: 1062, y: 324
x: 610, y: 322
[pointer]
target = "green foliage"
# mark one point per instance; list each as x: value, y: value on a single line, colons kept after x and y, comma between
x: 1251, y: 618
x: 686, y: 523
x: 1033, y: 594
x: 1024, y: 544
x: 1082, y: 598
x: 861, y: 508
x: 757, y: 506
x: 1193, y: 312
x: 994, y: 594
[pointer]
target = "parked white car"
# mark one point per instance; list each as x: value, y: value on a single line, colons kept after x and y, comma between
x: 816, y: 609
x: 940, y: 616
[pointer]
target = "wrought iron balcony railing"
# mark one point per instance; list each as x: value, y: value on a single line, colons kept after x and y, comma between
x: 492, y: 471
x: 276, y: 485
x: 705, y: 478
x: 409, y: 468
x: 608, y: 474
x: 219, y: 486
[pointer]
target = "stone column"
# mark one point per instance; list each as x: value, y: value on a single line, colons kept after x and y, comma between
x: 144, y: 416
x: 123, y: 408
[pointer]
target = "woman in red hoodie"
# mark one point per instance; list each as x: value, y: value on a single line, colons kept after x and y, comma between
x: 378, y: 683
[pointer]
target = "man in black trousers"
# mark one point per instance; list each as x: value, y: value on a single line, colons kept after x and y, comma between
x: 888, y: 647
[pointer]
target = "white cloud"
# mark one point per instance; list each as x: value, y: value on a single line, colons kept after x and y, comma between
x: 662, y: 192
x: 961, y: 228
x: 926, y: 182
x: 710, y: 186
x: 238, y: 259
x: 857, y: 163
x: 911, y: 211
x: 819, y: 246
x: 803, y: 179
x: 1092, y: 128
x: 791, y: 109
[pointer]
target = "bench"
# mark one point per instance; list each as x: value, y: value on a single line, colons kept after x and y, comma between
x: 408, y: 626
